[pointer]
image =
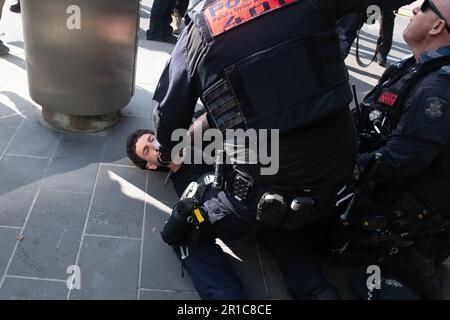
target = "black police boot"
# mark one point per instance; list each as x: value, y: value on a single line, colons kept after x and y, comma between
x: 15, y: 7
x: 328, y: 292
x: 170, y: 38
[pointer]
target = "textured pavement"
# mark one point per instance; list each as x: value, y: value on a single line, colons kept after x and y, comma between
x: 75, y: 199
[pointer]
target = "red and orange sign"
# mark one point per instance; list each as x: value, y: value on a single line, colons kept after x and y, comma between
x: 224, y: 15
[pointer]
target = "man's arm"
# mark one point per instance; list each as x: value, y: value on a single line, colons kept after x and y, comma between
x: 421, y: 135
x: 175, y: 98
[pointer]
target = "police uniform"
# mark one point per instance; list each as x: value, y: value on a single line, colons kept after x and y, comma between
x: 272, y: 64
x: 406, y: 119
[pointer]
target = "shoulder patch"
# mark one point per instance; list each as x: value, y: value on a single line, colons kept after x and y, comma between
x: 224, y: 15
x: 435, y: 108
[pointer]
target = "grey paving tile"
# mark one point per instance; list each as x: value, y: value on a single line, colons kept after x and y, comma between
x: 52, y: 235
x: 158, y: 257
x: 74, y: 166
x: 30, y: 289
x: 33, y: 139
x: 156, y: 64
x: 167, y: 295
x: 115, y: 146
x: 140, y: 105
x: 7, y: 242
x: 248, y: 269
x: 13, y: 108
x: 118, y: 205
x: 109, y: 269
x: 6, y: 134
x: 18, y: 186
x: 157, y: 190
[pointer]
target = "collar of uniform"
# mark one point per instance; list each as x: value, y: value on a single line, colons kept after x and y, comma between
x: 434, y: 54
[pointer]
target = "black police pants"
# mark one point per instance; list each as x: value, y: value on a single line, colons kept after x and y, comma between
x: 160, y: 19
x: 212, y: 273
x: 384, y: 44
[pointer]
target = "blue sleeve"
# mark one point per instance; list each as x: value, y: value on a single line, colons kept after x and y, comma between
x: 175, y: 98
x: 421, y: 135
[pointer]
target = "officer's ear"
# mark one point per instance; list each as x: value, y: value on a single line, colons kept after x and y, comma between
x: 151, y: 166
x: 438, y: 28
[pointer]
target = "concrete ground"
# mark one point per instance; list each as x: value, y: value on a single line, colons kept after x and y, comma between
x: 76, y: 200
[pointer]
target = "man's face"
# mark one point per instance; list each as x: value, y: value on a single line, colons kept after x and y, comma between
x: 145, y: 149
x: 420, y: 25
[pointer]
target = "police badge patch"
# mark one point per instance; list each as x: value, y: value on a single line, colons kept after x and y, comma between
x: 435, y: 109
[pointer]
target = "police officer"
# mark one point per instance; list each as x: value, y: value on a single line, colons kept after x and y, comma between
x: 406, y: 119
x: 269, y: 64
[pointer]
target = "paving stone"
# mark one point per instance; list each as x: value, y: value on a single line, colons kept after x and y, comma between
x: 167, y: 295
x: 156, y: 65
x: 161, y: 269
x: 51, y: 236
x: 141, y: 105
x: 18, y: 187
x: 116, y: 141
x: 13, y: 108
x: 75, y: 164
x: 7, y: 242
x: 30, y: 289
x: 109, y: 269
x: 157, y: 190
x: 118, y: 205
x: 6, y: 134
x: 33, y: 139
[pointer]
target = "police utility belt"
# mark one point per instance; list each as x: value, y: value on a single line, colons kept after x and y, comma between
x: 283, y: 207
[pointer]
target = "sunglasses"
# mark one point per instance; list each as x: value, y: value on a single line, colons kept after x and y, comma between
x: 429, y: 4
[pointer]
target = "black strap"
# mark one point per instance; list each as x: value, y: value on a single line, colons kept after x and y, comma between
x: 358, y: 59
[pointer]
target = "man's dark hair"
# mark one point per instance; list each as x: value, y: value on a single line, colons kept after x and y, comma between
x: 131, y: 147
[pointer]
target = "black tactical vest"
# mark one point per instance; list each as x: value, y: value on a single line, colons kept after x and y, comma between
x: 272, y: 64
x: 383, y: 106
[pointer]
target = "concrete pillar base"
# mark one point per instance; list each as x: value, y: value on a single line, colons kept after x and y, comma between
x: 65, y: 122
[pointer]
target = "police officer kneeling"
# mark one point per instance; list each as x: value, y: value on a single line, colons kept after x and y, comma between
x: 268, y: 64
x: 406, y: 121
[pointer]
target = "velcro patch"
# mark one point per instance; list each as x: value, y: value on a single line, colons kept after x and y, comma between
x: 388, y: 98
x: 224, y: 15
x: 435, y: 109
